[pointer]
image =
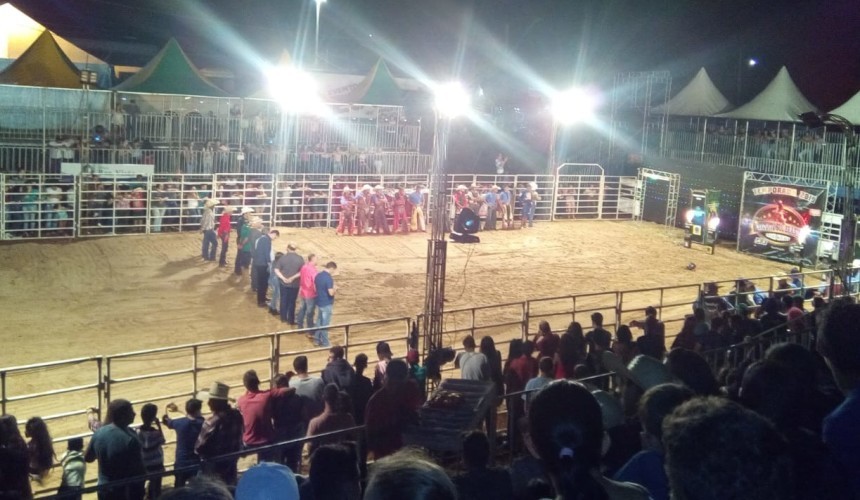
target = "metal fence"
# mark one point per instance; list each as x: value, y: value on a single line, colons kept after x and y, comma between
x: 40, y: 206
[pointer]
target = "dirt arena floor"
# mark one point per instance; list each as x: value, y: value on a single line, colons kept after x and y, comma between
x: 100, y: 296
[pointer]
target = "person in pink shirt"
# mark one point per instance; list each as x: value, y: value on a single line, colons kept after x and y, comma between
x: 307, y: 292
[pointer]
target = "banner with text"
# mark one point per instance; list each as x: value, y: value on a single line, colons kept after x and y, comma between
x: 781, y: 221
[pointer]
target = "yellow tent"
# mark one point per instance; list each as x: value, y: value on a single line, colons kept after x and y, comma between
x: 18, y: 31
x: 43, y: 64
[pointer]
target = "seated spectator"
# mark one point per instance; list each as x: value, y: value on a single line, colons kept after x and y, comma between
x: 187, y: 430
x: 838, y: 343
x: 333, y: 474
x: 267, y: 480
x: 118, y: 451
x: 546, y: 342
x: 390, y: 409
x: 566, y: 431
x: 74, y: 470
x: 773, y: 391
x: 646, y: 468
x: 408, y: 474
x: 199, y: 488
x: 773, y: 321
x: 40, y: 448
x: 746, y: 457
x: 480, y: 481
x: 692, y: 370
x: 333, y: 418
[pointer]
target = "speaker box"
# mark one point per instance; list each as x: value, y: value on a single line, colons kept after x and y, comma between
x: 464, y: 238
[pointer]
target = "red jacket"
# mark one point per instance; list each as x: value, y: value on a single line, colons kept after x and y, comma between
x: 224, y: 225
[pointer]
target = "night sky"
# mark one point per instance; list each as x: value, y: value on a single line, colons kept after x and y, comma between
x: 558, y: 41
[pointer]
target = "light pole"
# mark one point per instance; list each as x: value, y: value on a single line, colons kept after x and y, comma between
x: 451, y: 101
x: 845, y: 265
x: 574, y: 105
x: 317, y: 34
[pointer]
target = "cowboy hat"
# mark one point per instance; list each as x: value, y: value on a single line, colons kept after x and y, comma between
x: 229, y: 208
x: 218, y: 390
x: 366, y: 187
x: 247, y: 210
x: 379, y: 187
x: 461, y: 187
x: 347, y: 189
x: 210, y: 203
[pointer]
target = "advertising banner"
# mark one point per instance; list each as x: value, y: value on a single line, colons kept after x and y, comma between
x: 781, y: 221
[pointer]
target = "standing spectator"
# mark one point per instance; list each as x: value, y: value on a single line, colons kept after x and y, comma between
x: 14, y: 478
x: 310, y: 389
x: 288, y: 422
x: 571, y: 351
x: 224, y: 234
x: 333, y: 418
x: 566, y: 429
x: 187, y: 430
x: 839, y: 345
x: 74, y: 470
x: 256, y: 408
x: 546, y: 341
x: 746, y: 457
x: 473, y: 365
x: 40, y: 448
x: 118, y: 451
x: 151, y: 442
x: 654, y: 332
x: 647, y: 467
x: 307, y: 292
x: 417, y: 372
x: 262, y: 259
x: 494, y: 361
x: 623, y: 345
x: 545, y: 376
x: 599, y: 340
x: 390, y: 409
x: 288, y: 270
x: 159, y: 207
x: 383, y: 354
x: 338, y: 371
x: 244, y: 243
x: 221, y: 434
x: 334, y: 473
x: 326, y: 289
x: 506, y: 207
x: 362, y: 388
x: 481, y: 482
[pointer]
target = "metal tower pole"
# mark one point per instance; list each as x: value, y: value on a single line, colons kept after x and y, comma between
x: 437, y: 246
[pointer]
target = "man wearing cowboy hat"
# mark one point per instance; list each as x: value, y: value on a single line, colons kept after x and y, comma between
x: 416, y: 204
x: 221, y: 434
x: 380, y: 210
x: 362, y: 209
x: 346, y: 218
x: 207, y: 226
x: 245, y: 242
x: 491, y: 198
x: 262, y: 256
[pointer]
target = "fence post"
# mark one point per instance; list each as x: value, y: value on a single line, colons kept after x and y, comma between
x: 526, y: 314
x: 194, y: 370
x: 99, y: 387
x: 3, y: 392
x: 276, y: 355
x: 472, y: 326
x: 619, y: 304
x: 346, y: 342
x: 106, y: 382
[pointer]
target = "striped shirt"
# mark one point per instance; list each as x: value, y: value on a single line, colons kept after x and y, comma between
x: 151, y: 440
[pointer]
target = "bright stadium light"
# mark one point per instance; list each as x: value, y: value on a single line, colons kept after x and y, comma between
x: 452, y: 99
x: 295, y: 90
x: 752, y: 62
x: 573, y: 106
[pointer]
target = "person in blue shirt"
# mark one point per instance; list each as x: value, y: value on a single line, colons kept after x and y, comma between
x: 491, y: 198
x: 187, y: 429
x: 325, y: 299
x: 416, y: 204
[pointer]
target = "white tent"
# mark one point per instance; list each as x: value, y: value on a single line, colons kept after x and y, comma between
x: 699, y: 98
x: 780, y: 101
x: 850, y: 110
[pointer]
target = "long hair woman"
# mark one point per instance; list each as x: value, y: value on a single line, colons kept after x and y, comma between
x: 39, y: 448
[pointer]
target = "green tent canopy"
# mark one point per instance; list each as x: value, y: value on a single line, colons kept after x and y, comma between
x: 170, y: 72
x: 43, y: 64
x: 378, y: 88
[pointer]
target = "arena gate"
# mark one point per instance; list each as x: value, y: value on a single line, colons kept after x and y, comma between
x: 656, y: 189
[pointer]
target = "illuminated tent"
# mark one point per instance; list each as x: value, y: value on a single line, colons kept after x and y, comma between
x: 780, y: 101
x: 170, y: 72
x: 18, y: 32
x: 850, y: 109
x: 699, y: 98
x: 43, y: 65
x: 378, y: 88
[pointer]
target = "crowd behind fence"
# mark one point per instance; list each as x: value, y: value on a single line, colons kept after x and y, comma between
x: 43, y: 206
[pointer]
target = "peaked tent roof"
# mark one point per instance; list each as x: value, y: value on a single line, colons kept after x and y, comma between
x: 20, y: 31
x: 170, y: 72
x: 43, y: 65
x: 780, y: 101
x: 378, y: 87
x: 850, y: 109
x: 699, y: 98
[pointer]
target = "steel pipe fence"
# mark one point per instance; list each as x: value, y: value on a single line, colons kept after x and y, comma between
x: 37, y: 206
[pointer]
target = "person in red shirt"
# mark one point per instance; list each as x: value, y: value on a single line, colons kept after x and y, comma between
x: 307, y: 292
x: 546, y: 342
x: 390, y: 409
x: 256, y: 408
x: 224, y: 233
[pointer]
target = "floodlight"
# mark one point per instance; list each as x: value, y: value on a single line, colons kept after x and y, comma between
x: 713, y: 223
x: 573, y: 105
x: 451, y: 99
x: 750, y: 63
x: 294, y: 89
x: 689, y: 215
